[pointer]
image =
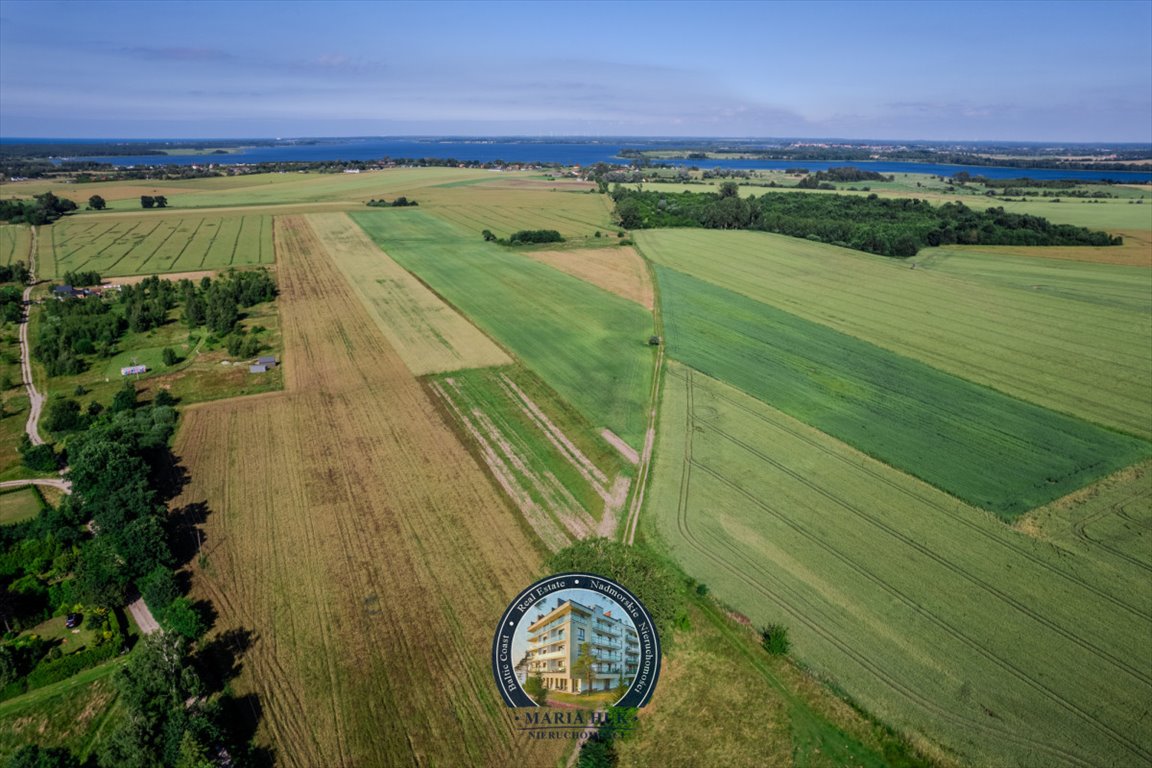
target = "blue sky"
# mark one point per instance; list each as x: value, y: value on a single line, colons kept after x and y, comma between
x: 1042, y: 71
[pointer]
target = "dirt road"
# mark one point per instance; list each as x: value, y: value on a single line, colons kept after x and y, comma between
x: 35, y: 399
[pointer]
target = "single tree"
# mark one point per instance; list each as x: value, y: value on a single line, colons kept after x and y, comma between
x: 97, y: 203
x: 585, y: 666
x: 161, y: 201
x: 147, y: 201
x: 774, y: 638
x: 534, y: 687
x: 170, y: 357
x: 125, y: 398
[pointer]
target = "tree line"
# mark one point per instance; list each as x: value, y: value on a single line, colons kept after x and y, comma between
x: 889, y: 227
x: 41, y: 209
x: 400, y: 202
x: 112, y: 536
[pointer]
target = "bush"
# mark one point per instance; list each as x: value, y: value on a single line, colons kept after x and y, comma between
x: 39, y: 458
x: 125, y: 399
x: 535, y: 236
x: 654, y: 580
x: 774, y: 638
x: 49, y: 672
x: 534, y: 687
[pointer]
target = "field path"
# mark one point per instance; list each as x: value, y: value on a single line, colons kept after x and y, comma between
x: 644, y: 469
x: 52, y: 482
x: 35, y: 399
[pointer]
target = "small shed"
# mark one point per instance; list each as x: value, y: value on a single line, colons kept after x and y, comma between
x: 269, y: 361
x: 257, y: 368
x: 133, y: 369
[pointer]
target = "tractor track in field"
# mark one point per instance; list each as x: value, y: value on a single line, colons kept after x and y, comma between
x: 1080, y: 531
x: 919, y: 499
x: 907, y: 541
x: 723, y: 561
x: 999, y: 661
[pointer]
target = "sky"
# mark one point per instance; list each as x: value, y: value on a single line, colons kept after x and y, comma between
x: 1030, y: 70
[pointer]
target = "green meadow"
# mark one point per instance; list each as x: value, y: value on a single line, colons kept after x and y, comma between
x: 936, y: 617
x: 991, y: 450
x: 588, y: 345
x: 1090, y: 359
x: 15, y: 243
x: 118, y: 246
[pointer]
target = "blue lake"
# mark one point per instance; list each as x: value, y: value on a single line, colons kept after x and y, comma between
x: 576, y: 153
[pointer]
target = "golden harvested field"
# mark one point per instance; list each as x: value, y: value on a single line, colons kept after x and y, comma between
x: 429, y: 335
x: 349, y: 530
x: 617, y: 270
x: 504, y: 209
x: 1136, y: 251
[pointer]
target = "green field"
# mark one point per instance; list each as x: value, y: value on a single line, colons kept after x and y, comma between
x: 505, y: 209
x: 1116, y: 286
x: 993, y: 451
x: 588, y: 345
x: 1110, y: 523
x: 78, y: 713
x: 252, y: 189
x: 15, y: 243
x: 121, y: 246
x: 935, y: 616
x: 19, y: 505
x: 562, y: 476
x: 1090, y: 360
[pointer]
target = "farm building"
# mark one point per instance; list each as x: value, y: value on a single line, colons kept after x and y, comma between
x: 258, y: 368
x: 268, y: 360
x: 132, y: 369
x: 68, y: 292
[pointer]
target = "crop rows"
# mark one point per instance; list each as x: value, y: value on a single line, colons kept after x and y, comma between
x: 430, y: 336
x: 991, y: 450
x: 506, y: 210
x: 1091, y: 360
x: 586, y: 344
x: 972, y: 643
x: 360, y: 543
x: 160, y: 244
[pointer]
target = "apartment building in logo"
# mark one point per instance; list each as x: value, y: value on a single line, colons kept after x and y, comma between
x: 557, y: 638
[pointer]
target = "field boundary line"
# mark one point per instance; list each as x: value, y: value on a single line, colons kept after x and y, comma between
x: 644, y: 468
